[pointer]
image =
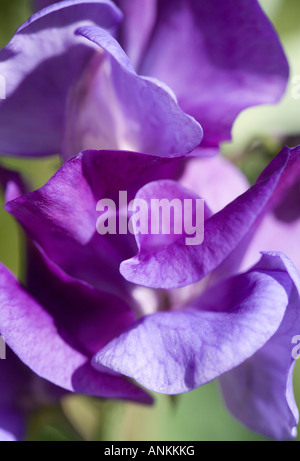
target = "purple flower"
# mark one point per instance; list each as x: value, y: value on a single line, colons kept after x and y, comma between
x: 79, y: 89
x: 82, y: 326
x: 95, y: 309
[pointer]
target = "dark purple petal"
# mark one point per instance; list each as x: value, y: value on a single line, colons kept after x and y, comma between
x: 12, y: 184
x: 175, y: 352
x: 86, y: 318
x: 61, y: 217
x: 40, y: 64
x: 40, y: 4
x: 226, y: 231
x: 112, y: 107
x: 31, y: 332
x: 260, y: 391
x: 218, y: 58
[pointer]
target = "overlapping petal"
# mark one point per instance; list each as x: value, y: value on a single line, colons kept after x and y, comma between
x: 218, y: 57
x: 179, y: 351
x: 280, y: 228
x: 61, y: 217
x: 69, y: 84
x: 114, y: 108
x: 179, y: 265
x: 56, y: 347
x: 260, y: 391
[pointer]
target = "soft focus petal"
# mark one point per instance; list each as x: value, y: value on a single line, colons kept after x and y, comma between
x: 136, y: 27
x: 179, y: 351
x: 167, y: 226
x: 12, y: 426
x: 218, y: 57
x: 112, y: 107
x: 216, y: 179
x: 33, y: 335
x: 260, y: 391
x: 226, y: 231
x: 12, y: 184
x: 280, y: 229
x: 13, y: 383
x: 85, y: 317
x: 40, y: 65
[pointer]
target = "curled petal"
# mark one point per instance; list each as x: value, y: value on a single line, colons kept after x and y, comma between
x: 225, y: 232
x: 61, y: 216
x: 114, y: 108
x: 40, y: 64
x: 175, y: 352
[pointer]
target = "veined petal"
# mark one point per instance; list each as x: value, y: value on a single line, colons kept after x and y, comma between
x: 218, y: 57
x: 226, y: 231
x: 61, y: 216
x: 114, y: 108
x: 260, y: 391
x: 40, y: 65
x: 175, y: 352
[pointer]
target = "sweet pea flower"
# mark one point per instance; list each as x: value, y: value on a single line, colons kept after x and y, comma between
x: 83, y: 75
x: 82, y: 326
x: 97, y: 310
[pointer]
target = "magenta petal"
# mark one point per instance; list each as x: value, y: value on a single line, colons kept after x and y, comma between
x: 61, y: 216
x: 181, y: 350
x: 178, y: 265
x: 31, y: 332
x: 260, y: 391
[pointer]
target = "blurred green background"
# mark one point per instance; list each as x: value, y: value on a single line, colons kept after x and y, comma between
x: 259, y: 133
